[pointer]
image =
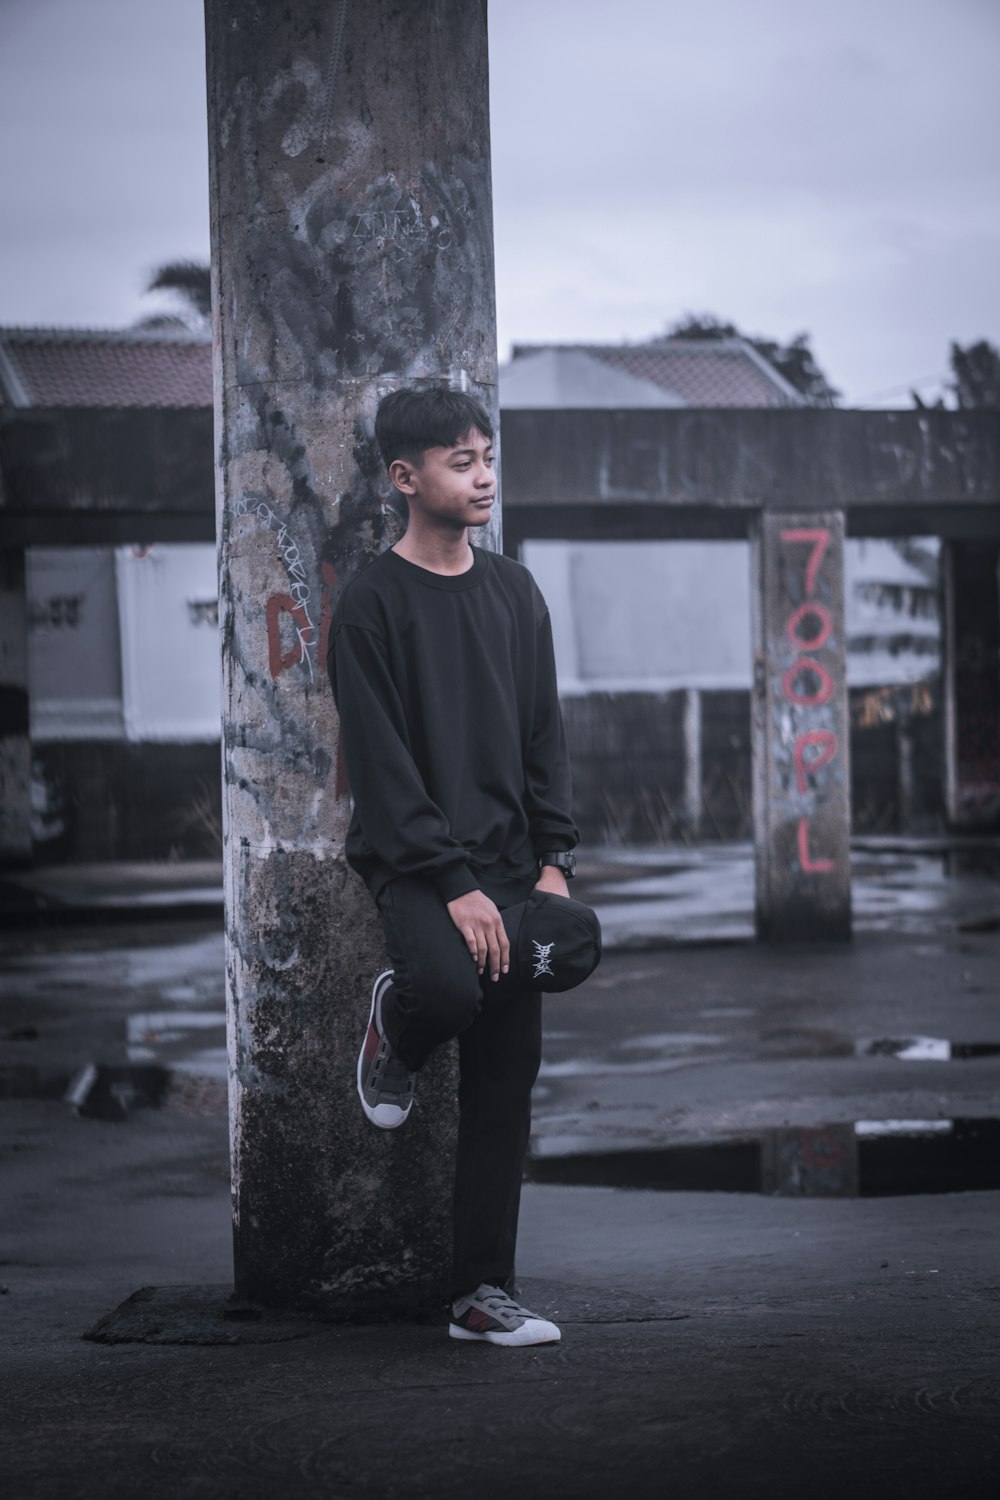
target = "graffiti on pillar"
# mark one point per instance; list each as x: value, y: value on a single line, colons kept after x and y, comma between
x: 808, y: 684
x: 294, y: 602
x: 279, y: 660
x: 305, y: 635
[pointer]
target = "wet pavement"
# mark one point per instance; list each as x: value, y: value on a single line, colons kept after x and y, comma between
x: 763, y: 1205
x: 645, y: 897
x: 696, y: 1044
x: 705, y: 894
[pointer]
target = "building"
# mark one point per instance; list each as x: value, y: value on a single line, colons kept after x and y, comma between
x: 653, y: 637
x: 123, y: 660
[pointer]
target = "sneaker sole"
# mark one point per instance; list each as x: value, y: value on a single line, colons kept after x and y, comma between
x: 534, y: 1331
x: 392, y: 1117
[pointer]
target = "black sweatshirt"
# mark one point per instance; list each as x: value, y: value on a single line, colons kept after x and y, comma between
x: 450, y: 725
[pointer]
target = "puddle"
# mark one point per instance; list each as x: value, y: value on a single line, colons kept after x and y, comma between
x: 590, y: 1068
x: 671, y: 1041
x: 707, y: 894
x: 171, y: 1025
x: 663, y: 1051
x: 858, y: 1159
x: 923, y: 1048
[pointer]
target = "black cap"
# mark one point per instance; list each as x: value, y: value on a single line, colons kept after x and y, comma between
x: 555, y: 942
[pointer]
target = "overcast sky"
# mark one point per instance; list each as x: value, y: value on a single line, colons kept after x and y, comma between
x: 786, y: 164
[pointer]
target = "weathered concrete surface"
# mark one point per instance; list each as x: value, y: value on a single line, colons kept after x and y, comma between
x: 108, y: 476
x: 102, y: 475
x: 352, y: 253
x: 827, y: 1347
x: 713, y: 1044
x: 713, y: 1343
x: 15, y: 745
x: 801, y: 743
x: 592, y: 475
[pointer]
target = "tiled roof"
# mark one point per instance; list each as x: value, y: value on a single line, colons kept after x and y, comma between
x: 49, y: 367
x: 52, y: 367
x: 703, y: 372
x: 570, y: 379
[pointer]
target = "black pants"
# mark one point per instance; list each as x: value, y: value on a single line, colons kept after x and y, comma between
x: 437, y: 993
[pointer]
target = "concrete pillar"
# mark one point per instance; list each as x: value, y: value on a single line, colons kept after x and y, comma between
x: 15, y: 744
x: 352, y: 253
x: 801, y: 781
x: 971, y: 627
x: 905, y: 773
x: 692, y: 808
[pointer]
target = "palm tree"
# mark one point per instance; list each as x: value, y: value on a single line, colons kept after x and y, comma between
x: 191, y: 283
x: 976, y: 372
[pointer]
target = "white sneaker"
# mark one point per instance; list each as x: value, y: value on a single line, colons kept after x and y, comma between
x: 489, y: 1316
x: 385, y: 1084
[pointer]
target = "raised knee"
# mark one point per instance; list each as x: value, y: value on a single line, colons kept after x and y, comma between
x: 457, y: 1002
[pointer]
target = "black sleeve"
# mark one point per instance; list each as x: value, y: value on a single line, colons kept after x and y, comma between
x: 548, y: 788
x: 405, y: 829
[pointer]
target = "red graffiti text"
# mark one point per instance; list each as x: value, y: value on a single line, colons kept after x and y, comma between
x: 808, y: 684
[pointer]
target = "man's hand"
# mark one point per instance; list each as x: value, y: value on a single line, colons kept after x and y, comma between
x: 481, y: 925
x: 552, y: 879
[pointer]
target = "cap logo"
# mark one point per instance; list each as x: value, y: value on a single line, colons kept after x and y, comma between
x: 543, y: 952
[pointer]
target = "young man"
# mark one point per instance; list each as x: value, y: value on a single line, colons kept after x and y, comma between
x: 442, y: 667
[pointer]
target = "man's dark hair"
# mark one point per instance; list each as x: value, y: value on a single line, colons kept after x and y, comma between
x: 409, y: 422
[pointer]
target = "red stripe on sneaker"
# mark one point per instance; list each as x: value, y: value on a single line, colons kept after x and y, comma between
x: 479, y: 1321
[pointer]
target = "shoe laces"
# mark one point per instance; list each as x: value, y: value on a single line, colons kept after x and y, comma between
x: 495, y: 1300
x: 389, y: 1074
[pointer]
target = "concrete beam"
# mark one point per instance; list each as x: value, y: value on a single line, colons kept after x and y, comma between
x: 589, y: 476
x: 352, y: 253
x: 801, y: 780
x: 717, y: 468
x: 99, y: 461
x: 631, y: 521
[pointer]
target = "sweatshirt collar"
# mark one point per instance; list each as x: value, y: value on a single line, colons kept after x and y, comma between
x: 453, y: 583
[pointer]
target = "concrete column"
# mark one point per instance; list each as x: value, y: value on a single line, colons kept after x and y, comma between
x: 15, y: 744
x: 352, y: 253
x: 905, y: 774
x: 801, y: 781
x: 971, y: 625
x: 692, y: 762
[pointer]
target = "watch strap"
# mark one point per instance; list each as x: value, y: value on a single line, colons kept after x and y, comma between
x: 564, y: 860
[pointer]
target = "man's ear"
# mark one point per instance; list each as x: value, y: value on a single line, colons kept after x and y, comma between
x: 401, y: 474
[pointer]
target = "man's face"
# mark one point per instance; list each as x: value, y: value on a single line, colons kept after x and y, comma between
x: 453, y: 487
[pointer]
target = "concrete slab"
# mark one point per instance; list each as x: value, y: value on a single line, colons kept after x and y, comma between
x: 715, y: 1343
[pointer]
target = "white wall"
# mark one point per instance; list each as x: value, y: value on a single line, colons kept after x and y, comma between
x: 170, y: 641
x: 652, y: 616
x: 647, y: 616
x: 124, y: 644
x: 74, y: 658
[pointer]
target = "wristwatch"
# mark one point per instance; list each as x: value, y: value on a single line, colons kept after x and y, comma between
x: 565, y: 862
